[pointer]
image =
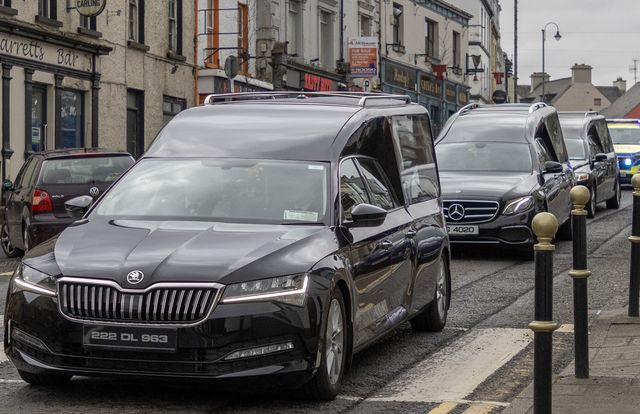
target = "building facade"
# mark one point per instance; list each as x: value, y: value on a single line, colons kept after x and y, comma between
x: 430, y: 66
x: 112, y: 80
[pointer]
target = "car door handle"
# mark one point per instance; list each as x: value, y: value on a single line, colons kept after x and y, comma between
x: 411, y: 233
x: 385, y: 244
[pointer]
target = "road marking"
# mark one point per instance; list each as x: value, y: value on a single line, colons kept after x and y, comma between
x: 444, y: 408
x: 349, y: 398
x: 8, y: 381
x: 452, y: 373
x: 6, y: 273
x: 3, y: 357
x: 566, y: 328
x: 479, y: 409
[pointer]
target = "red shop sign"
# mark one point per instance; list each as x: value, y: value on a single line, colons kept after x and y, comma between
x: 317, y: 83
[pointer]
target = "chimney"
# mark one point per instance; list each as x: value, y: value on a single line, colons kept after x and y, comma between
x: 536, y: 79
x: 581, y: 73
x: 620, y: 84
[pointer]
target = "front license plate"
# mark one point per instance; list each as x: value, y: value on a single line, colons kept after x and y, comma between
x: 130, y: 338
x: 460, y: 230
x: 623, y: 174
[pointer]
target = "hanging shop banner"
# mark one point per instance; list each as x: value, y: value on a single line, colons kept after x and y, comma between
x: 430, y: 86
x: 43, y: 52
x: 363, y: 57
x: 400, y: 76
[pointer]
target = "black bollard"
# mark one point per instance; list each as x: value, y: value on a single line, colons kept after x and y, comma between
x: 580, y: 197
x: 544, y: 226
x: 634, y: 281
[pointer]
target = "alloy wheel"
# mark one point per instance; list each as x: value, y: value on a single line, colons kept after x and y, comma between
x: 6, y: 242
x: 441, y: 292
x: 334, y: 347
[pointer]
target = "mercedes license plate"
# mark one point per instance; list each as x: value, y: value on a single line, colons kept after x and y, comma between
x: 462, y: 230
x: 130, y: 338
x: 623, y: 174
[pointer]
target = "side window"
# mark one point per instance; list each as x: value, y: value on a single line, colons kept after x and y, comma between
x: 603, y: 132
x: 594, y: 137
x: 24, y: 176
x: 352, y: 188
x: 418, y: 168
x: 378, y: 183
x: 555, y: 135
x: 594, y: 146
x: 543, y: 152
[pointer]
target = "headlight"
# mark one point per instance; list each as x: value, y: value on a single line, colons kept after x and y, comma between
x: 32, y: 280
x: 582, y: 176
x: 518, y: 205
x: 286, y: 289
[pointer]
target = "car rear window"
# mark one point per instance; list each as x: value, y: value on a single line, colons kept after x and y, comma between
x: 84, y: 170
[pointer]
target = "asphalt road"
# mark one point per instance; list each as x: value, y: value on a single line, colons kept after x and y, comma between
x: 476, y: 365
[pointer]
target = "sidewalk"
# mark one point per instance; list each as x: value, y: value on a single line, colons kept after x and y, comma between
x: 614, y: 383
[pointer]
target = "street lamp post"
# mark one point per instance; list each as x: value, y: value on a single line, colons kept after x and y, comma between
x: 557, y: 37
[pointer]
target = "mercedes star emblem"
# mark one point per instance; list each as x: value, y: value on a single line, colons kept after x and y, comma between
x: 94, y: 191
x: 456, y: 212
x: 135, y: 277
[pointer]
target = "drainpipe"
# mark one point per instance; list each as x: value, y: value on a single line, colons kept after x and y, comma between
x: 342, y: 30
x: 196, y: 64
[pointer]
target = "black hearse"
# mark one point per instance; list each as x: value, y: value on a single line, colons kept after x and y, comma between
x: 260, y: 236
x: 499, y: 166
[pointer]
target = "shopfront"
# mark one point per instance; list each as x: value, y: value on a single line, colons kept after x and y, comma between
x: 441, y: 97
x: 49, y: 93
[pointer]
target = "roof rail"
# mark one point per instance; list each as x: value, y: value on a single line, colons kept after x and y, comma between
x: 364, y: 97
x: 468, y: 107
x: 534, y: 107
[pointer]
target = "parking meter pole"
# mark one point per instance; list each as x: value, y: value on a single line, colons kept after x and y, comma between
x: 544, y: 226
x: 580, y: 197
x: 634, y: 281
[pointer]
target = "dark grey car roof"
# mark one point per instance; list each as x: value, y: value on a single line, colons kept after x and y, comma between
x: 254, y: 130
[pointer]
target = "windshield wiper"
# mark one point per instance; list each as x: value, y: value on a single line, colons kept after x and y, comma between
x: 301, y: 223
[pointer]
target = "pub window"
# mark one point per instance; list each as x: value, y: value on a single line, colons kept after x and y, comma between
x: 48, y: 8
x: 87, y: 22
x: 171, y: 107
x: 136, y: 21
x: 243, y: 37
x: 396, y: 23
x: 5, y: 3
x: 38, y: 118
x: 326, y: 39
x: 365, y: 26
x: 294, y: 25
x: 456, y: 49
x: 211, y: 54
x: 431, y: 38
x: 175, y: 26
x: 72, y: 118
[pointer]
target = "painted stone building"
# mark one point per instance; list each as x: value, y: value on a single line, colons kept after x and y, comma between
x: 112, y: 80
x: 429, y: 67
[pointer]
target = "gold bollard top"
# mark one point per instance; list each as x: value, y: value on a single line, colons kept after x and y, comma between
x: 635, y: 182
x: 544, y: 226
x: 580, y: 196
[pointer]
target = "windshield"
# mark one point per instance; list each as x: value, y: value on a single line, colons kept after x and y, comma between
x: 576, y: 149
x: 625, y: 136
x: 229, y: 190
x: 84, y: 170
x: 484, y: 156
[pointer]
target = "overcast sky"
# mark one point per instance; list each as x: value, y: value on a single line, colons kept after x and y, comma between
x: 603, y: 34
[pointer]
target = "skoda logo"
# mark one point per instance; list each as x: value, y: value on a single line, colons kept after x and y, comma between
x: 94, y: 191
x: 456, y: 212
x: 135, y: 277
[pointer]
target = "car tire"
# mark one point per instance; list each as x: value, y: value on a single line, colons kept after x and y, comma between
x: 614, y: 202
x: 7, y: 247
x: 565, y: 232
x: 43, y: 379
x: 434, y: 317
x: 591, y: 205
x: 327, y: 381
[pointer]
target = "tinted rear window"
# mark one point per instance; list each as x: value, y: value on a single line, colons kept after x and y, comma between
x: 83, y: 170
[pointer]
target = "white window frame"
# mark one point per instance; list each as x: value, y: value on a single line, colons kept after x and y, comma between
x: 133, y: 23
x: 173, y: 25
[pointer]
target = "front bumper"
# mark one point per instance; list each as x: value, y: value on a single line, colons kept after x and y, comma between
x: 627, y: 171
x: 200, y: 352
x: 503, y: 230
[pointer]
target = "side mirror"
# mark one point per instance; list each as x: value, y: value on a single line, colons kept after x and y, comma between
x: 600, y: 157
x: 78, y: 206
x: 552, y: 167
x: 367, y: 215
x: 7, y: 185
